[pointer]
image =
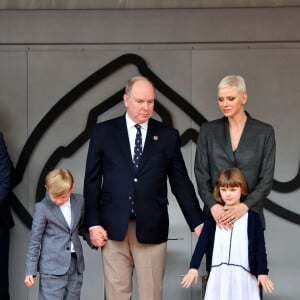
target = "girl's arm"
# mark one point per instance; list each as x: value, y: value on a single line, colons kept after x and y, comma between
x: 261, y: 258
x: 189, y: 278
x: 203, y: 245
x: 266, y: 283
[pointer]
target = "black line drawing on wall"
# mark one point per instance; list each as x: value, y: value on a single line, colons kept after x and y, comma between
x: 73, y: 95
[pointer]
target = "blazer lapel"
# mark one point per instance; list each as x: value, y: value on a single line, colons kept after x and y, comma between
x: 245, y: 132
x: 56, y: 211
x: 150, y: 143
x: 75, y: 211
x: 123, y: 140
x: 225, y: 139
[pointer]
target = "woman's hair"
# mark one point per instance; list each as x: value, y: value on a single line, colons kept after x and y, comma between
x: 233, y: 81
x: 59, y: 181
x: 230, y: 177
x: 132, y: 81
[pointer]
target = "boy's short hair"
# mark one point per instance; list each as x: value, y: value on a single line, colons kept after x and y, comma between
x: 59, y: 181
x: 230, y: 177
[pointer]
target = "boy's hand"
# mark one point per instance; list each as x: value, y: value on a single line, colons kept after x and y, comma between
x: 189, y: 278
x: 98, y: 236
x: 29, y: 281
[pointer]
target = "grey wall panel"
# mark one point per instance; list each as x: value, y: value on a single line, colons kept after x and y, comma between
x: 150, y: 26
x: 134, y: 4
x: 13, y: 123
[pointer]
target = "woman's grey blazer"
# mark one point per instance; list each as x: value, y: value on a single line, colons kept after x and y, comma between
x: 255, y: 157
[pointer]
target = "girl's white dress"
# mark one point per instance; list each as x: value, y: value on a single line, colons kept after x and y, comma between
x: 230, y: 278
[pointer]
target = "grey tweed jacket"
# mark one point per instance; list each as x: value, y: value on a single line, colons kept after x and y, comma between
x: 49, y: 247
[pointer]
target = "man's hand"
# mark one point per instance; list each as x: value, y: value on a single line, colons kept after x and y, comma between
x: 98, y: 236
x: 198, y: 230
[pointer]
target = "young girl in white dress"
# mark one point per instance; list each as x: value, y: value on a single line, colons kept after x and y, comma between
x: 236, y: 255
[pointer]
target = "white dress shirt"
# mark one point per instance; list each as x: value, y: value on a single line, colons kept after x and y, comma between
x: 66, y: 211
x: 131, y: 129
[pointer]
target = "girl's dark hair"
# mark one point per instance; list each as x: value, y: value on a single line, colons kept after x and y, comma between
x: 230, y: 177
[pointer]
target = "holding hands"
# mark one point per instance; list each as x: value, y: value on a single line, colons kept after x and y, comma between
x: 98, y: 236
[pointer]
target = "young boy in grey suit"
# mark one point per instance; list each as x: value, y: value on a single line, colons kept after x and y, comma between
x: 54, y: 249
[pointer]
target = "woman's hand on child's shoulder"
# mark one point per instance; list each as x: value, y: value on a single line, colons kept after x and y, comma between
x: 190, y: 277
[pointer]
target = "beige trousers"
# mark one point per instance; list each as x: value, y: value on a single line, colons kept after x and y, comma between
x: 121, y: 258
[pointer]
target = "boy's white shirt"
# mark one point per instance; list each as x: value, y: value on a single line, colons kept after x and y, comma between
x: 66, y: 211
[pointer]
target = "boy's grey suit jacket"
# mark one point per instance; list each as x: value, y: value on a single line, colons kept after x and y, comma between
x: 49, y: 247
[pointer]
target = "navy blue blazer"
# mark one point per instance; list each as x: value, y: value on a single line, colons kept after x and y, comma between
x: 255, y: 157
x: 111, y: 182
x: 6, y: 171
x: 256, y: 245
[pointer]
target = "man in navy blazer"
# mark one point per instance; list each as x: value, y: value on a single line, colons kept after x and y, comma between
x: 6, y: 220
x: 126, y: 203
